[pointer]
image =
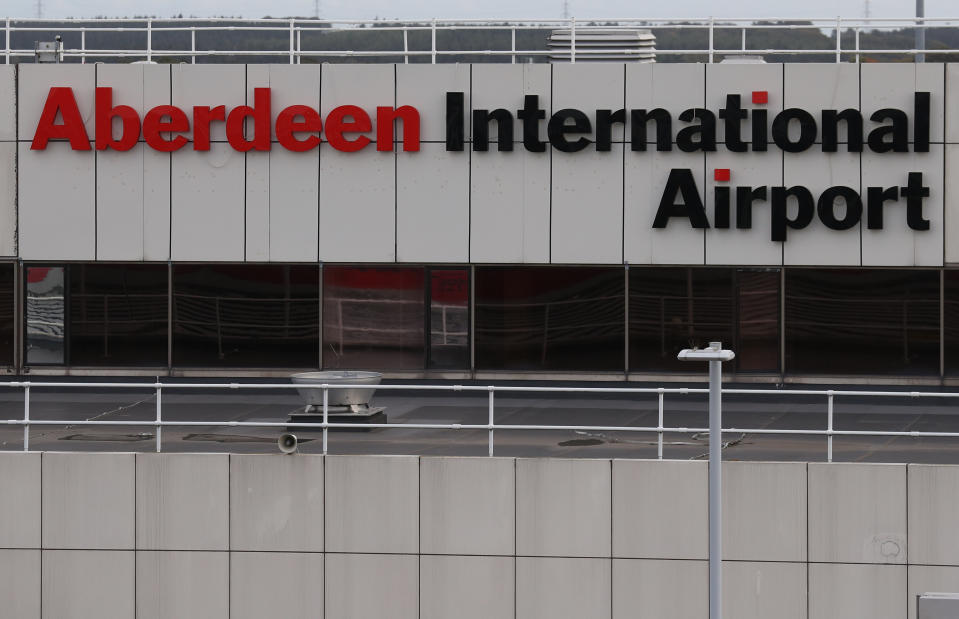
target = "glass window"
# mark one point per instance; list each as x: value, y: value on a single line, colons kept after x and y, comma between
x: 246, y: 315
x: 449, y: 319
x: 118, y: 314
x: 374, y: 318
x: 672, y: 308
x: 951, y: 320
x: 7, y: 309
x: 550, y: 318
x: 862, y: 321
x: 45, y: 315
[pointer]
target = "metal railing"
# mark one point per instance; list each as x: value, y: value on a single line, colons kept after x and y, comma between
x: 296, y: 39
x: 491, y: 426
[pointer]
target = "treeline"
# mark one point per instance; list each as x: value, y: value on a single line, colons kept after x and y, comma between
x: 375, y: 42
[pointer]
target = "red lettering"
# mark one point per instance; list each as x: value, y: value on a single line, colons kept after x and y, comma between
x: 105, y: 113
x: 260, y: 112
x: 287, y: 126
x: 163, y: 119
x: 61, y: 100
x: 385, y: 131
x: 202, y: 117
x: 337, y: 125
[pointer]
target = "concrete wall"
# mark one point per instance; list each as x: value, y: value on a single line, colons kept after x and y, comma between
x: 439, y: 206
x: 103, y: 536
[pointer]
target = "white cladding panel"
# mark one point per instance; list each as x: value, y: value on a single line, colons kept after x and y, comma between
x: 741, y: 245
x: 589, y: 87
x: 587, y: 207
x: 817, y: 244
x: 509, y: 206
x: 33, y: 84
x: 896, y: 244
x: 208, y: 198
x: 8, y: 198
x: 678, y: 242
x: 436, y: 206
x: 505, y: 86
x: 357, y: 206
x: 952, y: 111
x: 58, y: 219
x: 208, y: 85
x: 424, y: 87
x: 289, y: 84
x: 365, y: 85
x: 673, y: 87
x: 432, y: 205
x: 294, y: 210
x: 951, y: 210
x: 723, y: 80
x: 8, y: 99
x: 893, y: 85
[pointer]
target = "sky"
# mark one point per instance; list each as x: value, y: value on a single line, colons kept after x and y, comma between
x: 479, y: 9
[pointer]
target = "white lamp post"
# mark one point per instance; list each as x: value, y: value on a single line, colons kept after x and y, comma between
x: 715, y: 355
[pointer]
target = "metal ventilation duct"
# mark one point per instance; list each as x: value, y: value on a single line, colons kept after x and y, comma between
x: 603, y: 45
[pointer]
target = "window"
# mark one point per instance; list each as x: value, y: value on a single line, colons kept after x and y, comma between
x: 550, y: 318
x: 672, y: 308
x: 45, y: 303
x: 862, y: 321
x: 246, y: 315
x: 7, y: 322
x: 118, y: 314
x: 449, y: 319
x: 374, y: 318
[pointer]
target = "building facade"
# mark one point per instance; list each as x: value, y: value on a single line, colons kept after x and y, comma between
x: 486, y: 220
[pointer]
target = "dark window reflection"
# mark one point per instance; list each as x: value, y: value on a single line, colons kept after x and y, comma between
x: 45, y: 303
x: 449, y: 319
x: 550, y: 318
x: 757, y: 318
x: 246, y: 315
x: 374, y: 318
x: 862, y: 321
x: 6, y: 314
x: 118, y: 314
x: 951, y: 320
x: 673, y: 308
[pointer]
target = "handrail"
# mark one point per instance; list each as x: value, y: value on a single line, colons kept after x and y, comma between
x: 295, y: 29
x: 491, y: 427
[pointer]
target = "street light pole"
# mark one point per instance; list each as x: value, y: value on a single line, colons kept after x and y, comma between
x: 715, y: 355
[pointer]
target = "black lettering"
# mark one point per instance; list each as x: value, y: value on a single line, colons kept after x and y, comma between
x: 898, y: 132
x: 454, y: 121
x: 827, y: 207
x: 734, y: 115
x: 807, y: 130
x: 705, y: 131
x: 914, y: 192
x: 745, y: 196
x: 920, y: 117
x: 531, y: 115
x: 664, y: 129
x: 557, y: 129
x: 780, y: 216
x: 504, y: 129
x: 830, y: 130
x: 875, y: 198
x: 760, y: 130
x: 604, y: 127
x: 721, y: 210
x: 681, y: 183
